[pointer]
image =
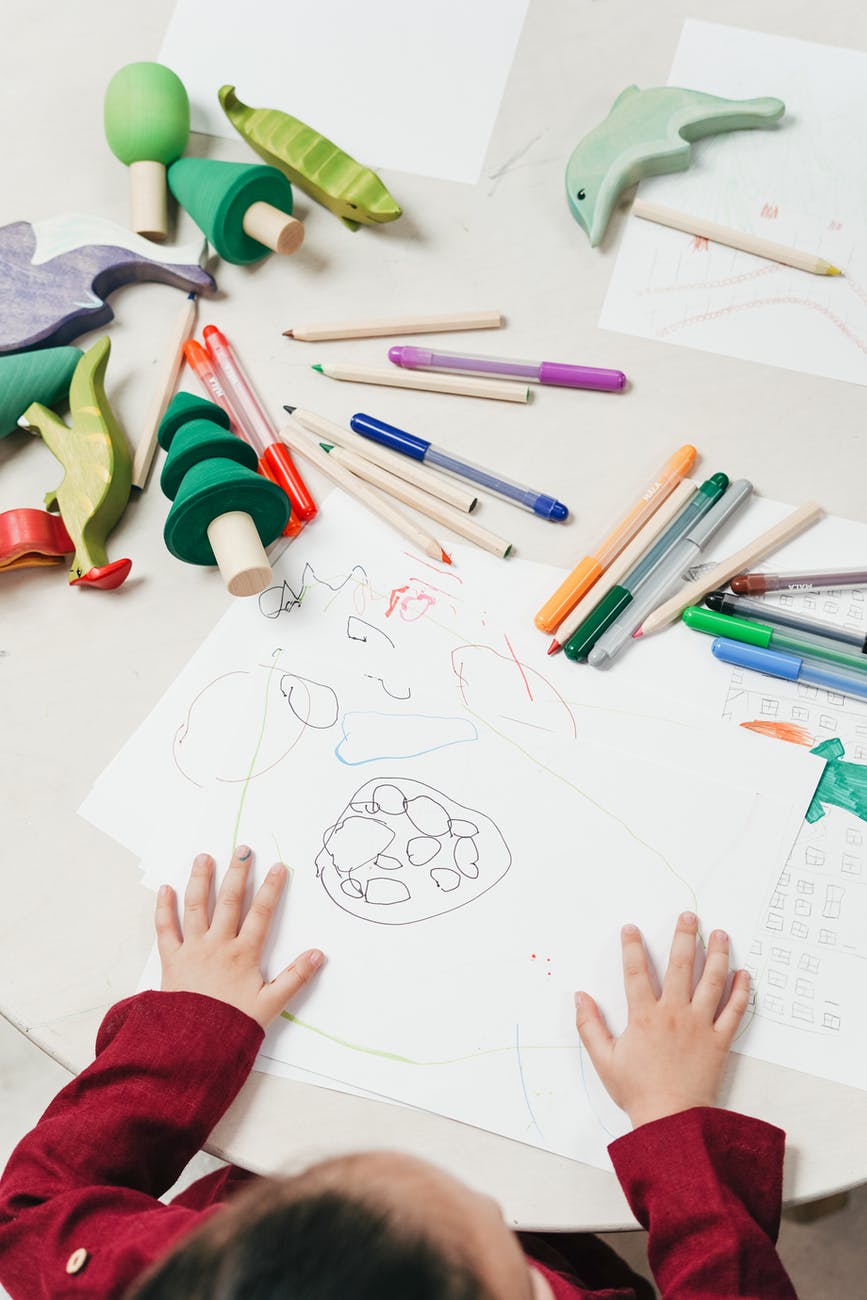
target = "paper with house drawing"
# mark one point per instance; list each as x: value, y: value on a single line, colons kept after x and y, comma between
x: 801, y: 184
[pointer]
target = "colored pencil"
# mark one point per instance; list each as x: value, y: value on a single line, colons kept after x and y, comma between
x: 410, y: 495
x: 167, y: 378
x: 739, y: 239
x: 500, y: 390
x: 302, y: 442
x: 694, y: 592
x: 373, y: 328
x: 413, y: 471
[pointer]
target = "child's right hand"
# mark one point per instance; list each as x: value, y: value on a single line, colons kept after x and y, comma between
x: 673, y: 1051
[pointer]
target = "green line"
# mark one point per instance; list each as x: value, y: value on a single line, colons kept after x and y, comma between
x: 408, y: 1060
x: 247, y: 779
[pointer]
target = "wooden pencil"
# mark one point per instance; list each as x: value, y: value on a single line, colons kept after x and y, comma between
x: 413, y: 471
x: 739, y: 239
x: 378, y: 328
x: 501, y: 390
x: 410, y: 495
x: 641, y: 542
x: 769, y: 541
x: 167, y: 378
x: 306, y: 445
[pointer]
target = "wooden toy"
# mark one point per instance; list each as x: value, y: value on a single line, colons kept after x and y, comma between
x: 223, y: 512
x: 95, y: 457
x: 243, y: 208
x: 352, y: 192
x: 646, y: 133
x: 147, y: 125
x: 180, y: 332
x: 56, y: 274
x: 27, y: 377
x: 31, y: 538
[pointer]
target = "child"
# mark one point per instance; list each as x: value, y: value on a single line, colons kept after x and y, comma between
x: 79, y: 1214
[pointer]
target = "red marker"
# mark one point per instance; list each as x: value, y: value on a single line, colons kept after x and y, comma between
x: 275, y: 460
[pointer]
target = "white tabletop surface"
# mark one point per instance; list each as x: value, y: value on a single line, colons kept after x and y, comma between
x: 79, y: 670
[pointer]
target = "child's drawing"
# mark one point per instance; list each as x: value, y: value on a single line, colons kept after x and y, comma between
x: 402, y: 852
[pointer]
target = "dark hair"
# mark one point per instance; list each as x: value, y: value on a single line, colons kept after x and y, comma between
x: 272, y: 1243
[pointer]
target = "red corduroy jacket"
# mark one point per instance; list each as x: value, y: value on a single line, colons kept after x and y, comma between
x: 79, y: 1214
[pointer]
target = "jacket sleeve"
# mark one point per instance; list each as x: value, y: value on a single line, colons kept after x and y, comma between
x: 85, y: 1181
x: 707, y: 1184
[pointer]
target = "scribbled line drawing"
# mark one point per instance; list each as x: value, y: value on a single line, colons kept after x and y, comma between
x: 367, y: 634
x: 283, y: 599
x: 358, y: 629
x: 755, y: 304
x: 372, y: 737
x: 393, y: 695
x: 480, y: 668
x: 523, y: 1083
x: 402, y: 852
x: 183, y: 731
x: 698, y: 285
x: 319, y: 704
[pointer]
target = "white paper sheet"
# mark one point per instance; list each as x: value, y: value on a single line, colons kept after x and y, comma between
x: 801, y: 184
x: 414, y: 88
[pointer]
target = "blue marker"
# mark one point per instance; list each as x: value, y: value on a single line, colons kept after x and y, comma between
x: 421, y: 449
x: 792, y: 668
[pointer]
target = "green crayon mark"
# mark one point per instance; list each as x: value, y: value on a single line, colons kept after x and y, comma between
x: 842, y: 785
x: 319, y: 368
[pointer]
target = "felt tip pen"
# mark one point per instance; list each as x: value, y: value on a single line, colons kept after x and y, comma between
x: 791, y: 668
x: 420, y: 449
x: 585, y: 636
x: 756, y: 584
x: 760, y: 634
x: 534, y: 372
x: 199, y: 361
x: 762, y: 610
x: 576, y: 584
x: 275, y: 460
x: 668, y: 573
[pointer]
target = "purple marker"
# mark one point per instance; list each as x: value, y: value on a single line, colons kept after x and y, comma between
x: 537, y: 372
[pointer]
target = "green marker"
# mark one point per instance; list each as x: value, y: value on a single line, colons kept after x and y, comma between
x: 586, y: 634
x: 773, y: 638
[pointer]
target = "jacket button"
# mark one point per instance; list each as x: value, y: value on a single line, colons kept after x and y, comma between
x: 77, y: 1260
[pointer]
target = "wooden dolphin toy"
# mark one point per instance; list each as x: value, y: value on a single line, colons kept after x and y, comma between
x: 648, y: 132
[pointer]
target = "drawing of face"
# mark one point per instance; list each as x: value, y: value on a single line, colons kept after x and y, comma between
x: 402, y: 852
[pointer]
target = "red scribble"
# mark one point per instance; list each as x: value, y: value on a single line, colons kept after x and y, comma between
x: 770, y: 210
x: 443, y: 573
x: 393, y: 599
x: 714, y: 284
x: 519, y: 665
x: 755, y: 303
x: 781, y: 731
x: 700, y: 244
x: 457, y: 669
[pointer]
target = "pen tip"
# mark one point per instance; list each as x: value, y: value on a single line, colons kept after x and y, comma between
x: 554, y: 647
x: 288, y: 334
x: 327, y: 446
x: 319, y: 368
x: 447, y: 559
x: 290, y: 409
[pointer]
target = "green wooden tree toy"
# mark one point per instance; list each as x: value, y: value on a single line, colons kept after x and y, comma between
x: 223, y: 512
x: 147, y: 125
x: 26, y: 377
x: 244, y: 209
x: 94, y: 454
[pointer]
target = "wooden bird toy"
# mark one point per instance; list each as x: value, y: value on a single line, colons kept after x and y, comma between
x: 352, y: 192
x: 223, y: 512
x: 243, y: 208
x: 27, y: 377
x: 147, y: 125
x: 646, y: 133
x: 95, y: 457
x: 32, y: 538
x: 56, y: 274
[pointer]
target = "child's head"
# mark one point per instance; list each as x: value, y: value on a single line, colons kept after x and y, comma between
x: 376, y: 1226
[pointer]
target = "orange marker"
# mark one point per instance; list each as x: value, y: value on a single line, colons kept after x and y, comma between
x: 583, y: 576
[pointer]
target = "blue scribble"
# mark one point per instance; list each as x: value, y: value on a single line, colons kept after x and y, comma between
x: 369, y: 740
x: 523, y: 1084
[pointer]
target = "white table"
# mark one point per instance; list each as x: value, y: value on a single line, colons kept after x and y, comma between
x: 81, y: 669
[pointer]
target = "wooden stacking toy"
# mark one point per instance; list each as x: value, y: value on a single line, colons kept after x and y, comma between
x: 147, y: 125
x: 27, y: 377
x: 243, y: 208
x: 224, y: 513
x: 94, y: 454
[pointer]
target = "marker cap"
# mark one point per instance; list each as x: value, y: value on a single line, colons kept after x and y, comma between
x: 389, y: 436
x: 739, y: 629
x: 772, y: 662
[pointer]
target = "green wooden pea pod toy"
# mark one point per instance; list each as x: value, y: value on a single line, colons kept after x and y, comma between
x: 244, y: 209
x: 315, y: 164
x: 223, y: 512
x: 147, y: 125
x: 97, y: 477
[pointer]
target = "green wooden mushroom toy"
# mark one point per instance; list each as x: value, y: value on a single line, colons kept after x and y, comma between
x: 147, y: 125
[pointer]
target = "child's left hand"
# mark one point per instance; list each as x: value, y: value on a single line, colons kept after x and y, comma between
x: 222, y: 958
